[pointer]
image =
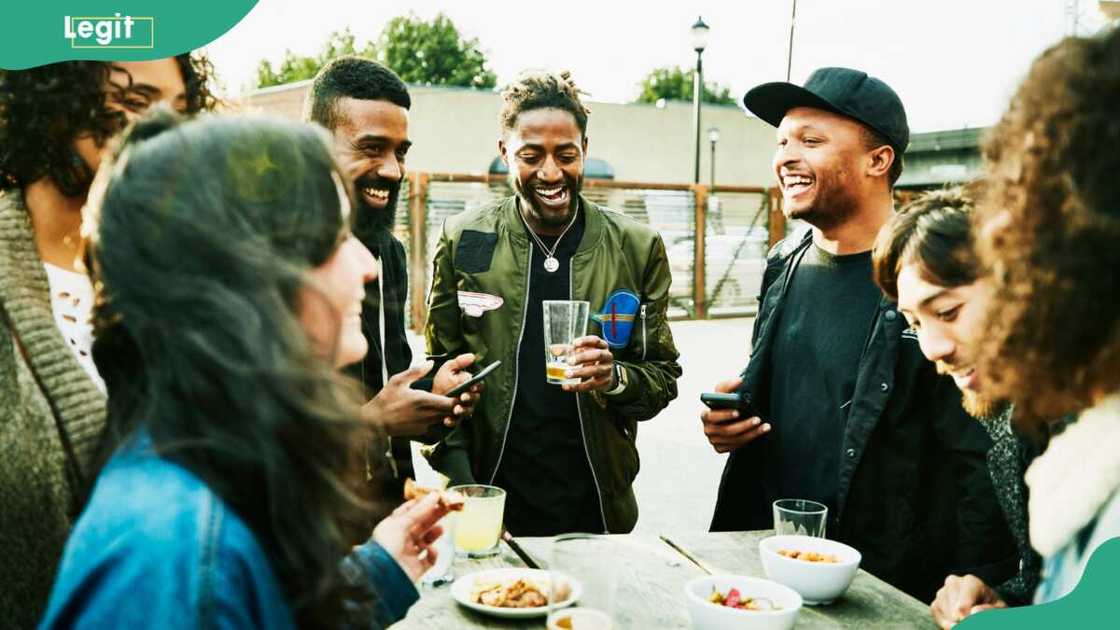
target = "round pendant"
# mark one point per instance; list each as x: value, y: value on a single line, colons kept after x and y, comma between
x: 551, y: 264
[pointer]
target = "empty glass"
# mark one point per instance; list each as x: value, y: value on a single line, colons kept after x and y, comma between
x: 564, y: 322
x: 585, y: 565
x: 440, y: 572
x: 800, y: 517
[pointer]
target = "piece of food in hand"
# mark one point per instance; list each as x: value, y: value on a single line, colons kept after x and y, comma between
x: 735, y: 599
x: 808, y: 556
x: 449, y: 499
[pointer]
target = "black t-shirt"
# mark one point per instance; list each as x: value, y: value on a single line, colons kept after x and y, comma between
x: 823, y: 330
x: 544, y: 468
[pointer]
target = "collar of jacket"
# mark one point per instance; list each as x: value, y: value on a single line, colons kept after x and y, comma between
x: 1076, y: 476
x: 25, y: 296
x: 592, y: 223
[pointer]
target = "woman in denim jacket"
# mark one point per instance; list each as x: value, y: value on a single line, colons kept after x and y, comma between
x: 229, y: 291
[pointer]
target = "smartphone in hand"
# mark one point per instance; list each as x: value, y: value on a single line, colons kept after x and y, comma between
x: 476, y: 379
x: 718, y: 401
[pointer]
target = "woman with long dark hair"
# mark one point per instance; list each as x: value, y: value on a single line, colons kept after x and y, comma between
x: 54, y: 122
x: 229, y: 292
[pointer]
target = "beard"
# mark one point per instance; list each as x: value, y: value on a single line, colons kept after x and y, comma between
x: 975, y: 403
x: 368, y: 220
x: 832, y: 206
x: 547, y: 216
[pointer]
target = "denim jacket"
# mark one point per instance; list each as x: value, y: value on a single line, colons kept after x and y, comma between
x: 156, y: 547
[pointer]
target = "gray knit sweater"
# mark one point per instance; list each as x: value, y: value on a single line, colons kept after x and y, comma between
x: 35, y: 495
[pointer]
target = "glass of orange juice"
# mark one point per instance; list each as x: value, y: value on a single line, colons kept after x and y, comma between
x: 479, y: 526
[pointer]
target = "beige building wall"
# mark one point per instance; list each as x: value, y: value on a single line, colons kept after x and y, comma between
x: 455, y: 130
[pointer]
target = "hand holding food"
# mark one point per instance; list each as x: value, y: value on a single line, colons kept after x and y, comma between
x: 449, y: 500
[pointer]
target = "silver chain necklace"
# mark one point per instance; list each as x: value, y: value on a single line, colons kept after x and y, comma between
x: 550, y: 262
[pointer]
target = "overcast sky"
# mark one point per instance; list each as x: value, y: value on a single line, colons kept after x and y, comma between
x: 953, y: 62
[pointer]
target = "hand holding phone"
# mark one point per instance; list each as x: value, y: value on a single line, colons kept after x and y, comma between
x: 476, y: 379
x: 731, y: 421
x: 722, y: 401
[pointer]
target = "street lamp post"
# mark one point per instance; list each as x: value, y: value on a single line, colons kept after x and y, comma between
x: 699, y: 43
x: 713, y: 138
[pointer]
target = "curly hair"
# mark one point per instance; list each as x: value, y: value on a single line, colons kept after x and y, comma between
x: 353, y: 77
x: 43, y: 109
x: 536, y: 89
x: 1047, y: 232
x: 934, y: 231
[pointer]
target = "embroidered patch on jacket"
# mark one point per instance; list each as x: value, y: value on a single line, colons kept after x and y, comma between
x: 617, y: 317
x: 475, y: 304
x: 475, y: 251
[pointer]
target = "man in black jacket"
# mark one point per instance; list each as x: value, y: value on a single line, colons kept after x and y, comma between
x: 850, y: 413
x: 365, y: 107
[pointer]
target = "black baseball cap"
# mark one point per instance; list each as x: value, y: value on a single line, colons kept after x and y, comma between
x: 848, y: 92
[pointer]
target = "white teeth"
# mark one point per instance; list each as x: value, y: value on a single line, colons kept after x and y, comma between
x: 794, y: 180
x: 380, y: 193
x: 549, y: 192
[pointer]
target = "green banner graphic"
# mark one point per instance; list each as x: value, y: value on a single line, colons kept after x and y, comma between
x: 1091, y: 605
x: 39, y: 33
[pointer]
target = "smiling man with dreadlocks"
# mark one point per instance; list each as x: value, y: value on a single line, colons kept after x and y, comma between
x: 564, y: 454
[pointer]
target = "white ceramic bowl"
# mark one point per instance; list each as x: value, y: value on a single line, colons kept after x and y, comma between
x: 817, y: 582
x: 708, y: 616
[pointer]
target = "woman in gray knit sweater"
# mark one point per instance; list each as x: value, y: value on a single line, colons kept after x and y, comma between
x: 54, y: 122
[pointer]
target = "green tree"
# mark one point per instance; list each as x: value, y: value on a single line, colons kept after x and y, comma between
x: 675, y: 84
x: 295, y: 67
x: 424, y: 53
x: 433, y: 53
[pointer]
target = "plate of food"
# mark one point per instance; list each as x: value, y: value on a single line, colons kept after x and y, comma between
x: 513, y: 593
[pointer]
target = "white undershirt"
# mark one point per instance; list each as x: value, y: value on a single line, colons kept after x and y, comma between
x: 72, y: 304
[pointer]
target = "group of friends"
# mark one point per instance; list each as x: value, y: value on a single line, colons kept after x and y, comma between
x: 208, y: 393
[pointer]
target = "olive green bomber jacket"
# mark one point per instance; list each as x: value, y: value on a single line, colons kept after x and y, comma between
x: 479, y: 284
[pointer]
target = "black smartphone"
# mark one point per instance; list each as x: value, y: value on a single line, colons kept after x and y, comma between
x: 729, y: 401
x: 477, y: 378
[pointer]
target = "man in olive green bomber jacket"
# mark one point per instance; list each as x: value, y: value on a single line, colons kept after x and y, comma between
x: 565, y: 455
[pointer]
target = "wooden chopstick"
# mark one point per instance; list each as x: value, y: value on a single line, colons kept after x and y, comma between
x: 691, y: 558
x: 517, y: 549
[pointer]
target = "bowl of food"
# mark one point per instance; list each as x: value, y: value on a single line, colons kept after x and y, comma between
x: 818, y: 568
x: 716, y: 602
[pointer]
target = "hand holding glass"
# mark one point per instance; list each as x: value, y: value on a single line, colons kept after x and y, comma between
x: 564, y: 322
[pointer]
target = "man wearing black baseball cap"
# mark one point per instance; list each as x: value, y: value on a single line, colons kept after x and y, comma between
x: 850, y: 414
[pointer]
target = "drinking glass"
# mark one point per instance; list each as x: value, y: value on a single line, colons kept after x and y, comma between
x: 800, y: 517
x: 592, y: 562
x: 564, y: 322
x: 441, y: 572
x: 479, y: 525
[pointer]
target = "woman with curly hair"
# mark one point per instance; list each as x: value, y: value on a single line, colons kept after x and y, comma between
x: 1048, y: 234
x: 54, y: 121
x: 229, y: 293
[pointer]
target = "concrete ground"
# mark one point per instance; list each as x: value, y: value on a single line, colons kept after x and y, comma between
x: 680, y: 472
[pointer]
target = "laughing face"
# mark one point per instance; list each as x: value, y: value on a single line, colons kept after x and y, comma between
x: 817, y: 163
x: 544, y: 153
x: 372, y: 137
x: 950, y: 325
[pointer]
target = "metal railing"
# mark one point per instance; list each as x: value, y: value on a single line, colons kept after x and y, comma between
x: 716, y: 237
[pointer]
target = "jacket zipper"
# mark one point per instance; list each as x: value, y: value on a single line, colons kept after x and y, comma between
x: 643, y: 332
x: 579, y: 412
x: 516, y: 365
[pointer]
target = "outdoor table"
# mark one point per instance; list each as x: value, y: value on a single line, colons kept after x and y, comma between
x: 651, y: 587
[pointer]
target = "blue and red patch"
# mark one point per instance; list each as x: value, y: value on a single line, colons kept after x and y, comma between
x: 617, y: 317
